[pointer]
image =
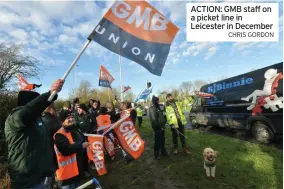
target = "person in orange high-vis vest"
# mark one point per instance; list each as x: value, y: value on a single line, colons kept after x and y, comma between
x: 103, y: 124
x: 70, y: 148
x: 103, y: 120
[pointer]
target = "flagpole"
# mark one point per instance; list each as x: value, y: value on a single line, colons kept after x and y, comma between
x: 121, y: 92
x: 71, y: 67
x: 109, y: 94
x: 76, y: 75
x: 120, y: 68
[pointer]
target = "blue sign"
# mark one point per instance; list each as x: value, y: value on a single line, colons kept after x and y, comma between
x: 222, y: 86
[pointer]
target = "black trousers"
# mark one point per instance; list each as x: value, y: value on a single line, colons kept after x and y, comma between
x: 140, y: 121
x: 175, y: 135
x: 159, y: 145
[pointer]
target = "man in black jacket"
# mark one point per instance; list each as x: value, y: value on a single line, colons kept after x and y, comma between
x: 30, y: 158
x: 52, y: 123
x: 158, y: 122
x: 66, y: 148
x: 84, y: 120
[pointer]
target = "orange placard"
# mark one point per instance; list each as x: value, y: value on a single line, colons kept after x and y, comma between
x: 96, y: 152
x: 129, y: 138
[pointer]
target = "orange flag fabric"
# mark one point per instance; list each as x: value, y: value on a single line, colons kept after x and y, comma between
x: 96, y: 152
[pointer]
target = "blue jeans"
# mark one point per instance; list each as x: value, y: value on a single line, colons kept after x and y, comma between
x: 71, y: 186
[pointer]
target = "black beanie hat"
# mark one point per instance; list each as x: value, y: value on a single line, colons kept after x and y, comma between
x: 83, y: 107
x: 64, y: 114
x: 25, y: 97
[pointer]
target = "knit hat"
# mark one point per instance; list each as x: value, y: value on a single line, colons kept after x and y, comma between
x: 83, y: 107
x: 63, y: 115
x: 25, y: 97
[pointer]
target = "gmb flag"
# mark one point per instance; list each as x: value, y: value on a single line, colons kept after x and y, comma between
x: 95, y: 152
x: 105, y: 78
x: 131, y: 143
x: 137, y: 31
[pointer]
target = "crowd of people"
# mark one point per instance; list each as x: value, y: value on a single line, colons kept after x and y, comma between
x: 48, y: 149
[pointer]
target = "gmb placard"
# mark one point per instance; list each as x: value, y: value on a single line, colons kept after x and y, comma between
x: 232, y: 22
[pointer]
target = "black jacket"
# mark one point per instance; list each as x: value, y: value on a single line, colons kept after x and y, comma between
x: 85, y: 123
x: 133, y: 116
x: 157, y: 118
x: 52, y: 124
x: 30, y: 157
x: 114, y: 117
x: 66, y: 149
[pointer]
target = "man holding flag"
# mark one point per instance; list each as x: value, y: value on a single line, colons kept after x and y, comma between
x: 70, y: 147
x: 28, y: 141
x: 177, y: 120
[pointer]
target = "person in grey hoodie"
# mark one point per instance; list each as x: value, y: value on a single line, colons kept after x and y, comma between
x: 158, y: 122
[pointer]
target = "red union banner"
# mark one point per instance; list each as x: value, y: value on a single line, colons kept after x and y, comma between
x: 137, y: 31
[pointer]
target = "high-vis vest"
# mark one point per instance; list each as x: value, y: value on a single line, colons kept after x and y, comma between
x: 68, y: 167
x: 103, y: 121
x: 139, y: 112
x: 171, y: 115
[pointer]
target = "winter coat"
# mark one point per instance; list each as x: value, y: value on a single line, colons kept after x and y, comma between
x: 30, y: 157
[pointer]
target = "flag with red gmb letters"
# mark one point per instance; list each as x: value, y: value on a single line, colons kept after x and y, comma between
x: 130, y: 140
x: 95, y: 152
x: 136, y: 31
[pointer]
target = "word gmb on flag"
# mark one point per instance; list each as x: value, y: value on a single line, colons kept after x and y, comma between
x: 136, y: 31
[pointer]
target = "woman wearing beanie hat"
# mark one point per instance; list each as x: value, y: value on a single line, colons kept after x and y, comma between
x: 70, y: 146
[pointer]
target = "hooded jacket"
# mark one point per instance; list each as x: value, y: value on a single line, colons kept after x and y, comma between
x: 157, y: 118
x: 30, y: 153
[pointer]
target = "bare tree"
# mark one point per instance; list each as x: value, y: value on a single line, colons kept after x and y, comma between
x: 83, y: 91
x: 12, y: 63
x: 198, y: 84
x: 175, y: 93
x: 129, y: 96
x: 186, y: 87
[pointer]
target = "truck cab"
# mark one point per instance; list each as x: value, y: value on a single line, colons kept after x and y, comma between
x: 251, y: 101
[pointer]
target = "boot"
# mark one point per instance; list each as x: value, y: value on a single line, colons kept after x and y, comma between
x: 156, y: 155
x: 185, y: 150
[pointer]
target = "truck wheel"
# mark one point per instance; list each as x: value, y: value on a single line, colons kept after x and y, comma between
x: 262, y: 132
